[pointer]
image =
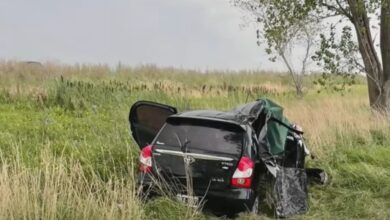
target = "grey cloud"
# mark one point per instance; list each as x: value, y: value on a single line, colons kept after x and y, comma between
x: 183, y: 33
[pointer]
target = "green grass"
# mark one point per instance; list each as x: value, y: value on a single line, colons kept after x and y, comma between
x: 66, y: 151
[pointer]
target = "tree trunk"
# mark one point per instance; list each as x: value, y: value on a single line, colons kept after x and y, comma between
x: 385, y: 50
x: 371, y: 61
x: 299, y: 90
x: 296, y: 78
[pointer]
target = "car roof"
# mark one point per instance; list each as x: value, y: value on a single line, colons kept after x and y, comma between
x: 227, y: 117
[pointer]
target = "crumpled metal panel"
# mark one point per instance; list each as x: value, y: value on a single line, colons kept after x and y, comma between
x: 289, y: 192
x: 250, y: 111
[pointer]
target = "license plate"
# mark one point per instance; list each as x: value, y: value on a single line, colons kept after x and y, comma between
x: 190, y: 200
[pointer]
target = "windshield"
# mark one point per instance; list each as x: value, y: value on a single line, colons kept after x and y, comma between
x: 202, y: 135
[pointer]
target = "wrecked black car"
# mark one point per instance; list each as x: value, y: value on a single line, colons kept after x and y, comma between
x: 230, y: 161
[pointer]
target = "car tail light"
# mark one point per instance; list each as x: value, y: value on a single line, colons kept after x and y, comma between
x: 242, y: 177
x: 145, y: 159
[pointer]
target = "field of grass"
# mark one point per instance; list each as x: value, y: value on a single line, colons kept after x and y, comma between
x: 66, y: 151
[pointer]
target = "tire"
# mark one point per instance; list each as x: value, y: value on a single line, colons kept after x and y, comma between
x: 256, y: 206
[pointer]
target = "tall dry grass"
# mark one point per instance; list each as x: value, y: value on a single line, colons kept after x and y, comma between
x: 335, y: 120
x: 60, y: 189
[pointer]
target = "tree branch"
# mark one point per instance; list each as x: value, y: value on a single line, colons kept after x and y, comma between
x: 346, y: 13
x: 307, y: 52
x: 339, y: 10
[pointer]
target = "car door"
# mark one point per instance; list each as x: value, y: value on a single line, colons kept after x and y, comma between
x: 146, y: 119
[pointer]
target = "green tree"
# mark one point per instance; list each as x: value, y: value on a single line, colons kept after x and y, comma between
x: 341, y: 50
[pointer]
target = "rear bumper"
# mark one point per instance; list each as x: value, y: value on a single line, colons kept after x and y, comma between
x: 230, y: 200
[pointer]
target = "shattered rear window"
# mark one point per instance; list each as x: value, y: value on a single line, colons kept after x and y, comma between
x: 202, y: 135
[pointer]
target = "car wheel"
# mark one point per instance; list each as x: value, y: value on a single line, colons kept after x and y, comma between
x: 256, y: 206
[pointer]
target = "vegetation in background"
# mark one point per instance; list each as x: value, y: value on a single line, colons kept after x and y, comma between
x: 341, y: 51
x: 66, y: 150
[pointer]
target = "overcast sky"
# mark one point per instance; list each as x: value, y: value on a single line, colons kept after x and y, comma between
x: 201, y: 34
